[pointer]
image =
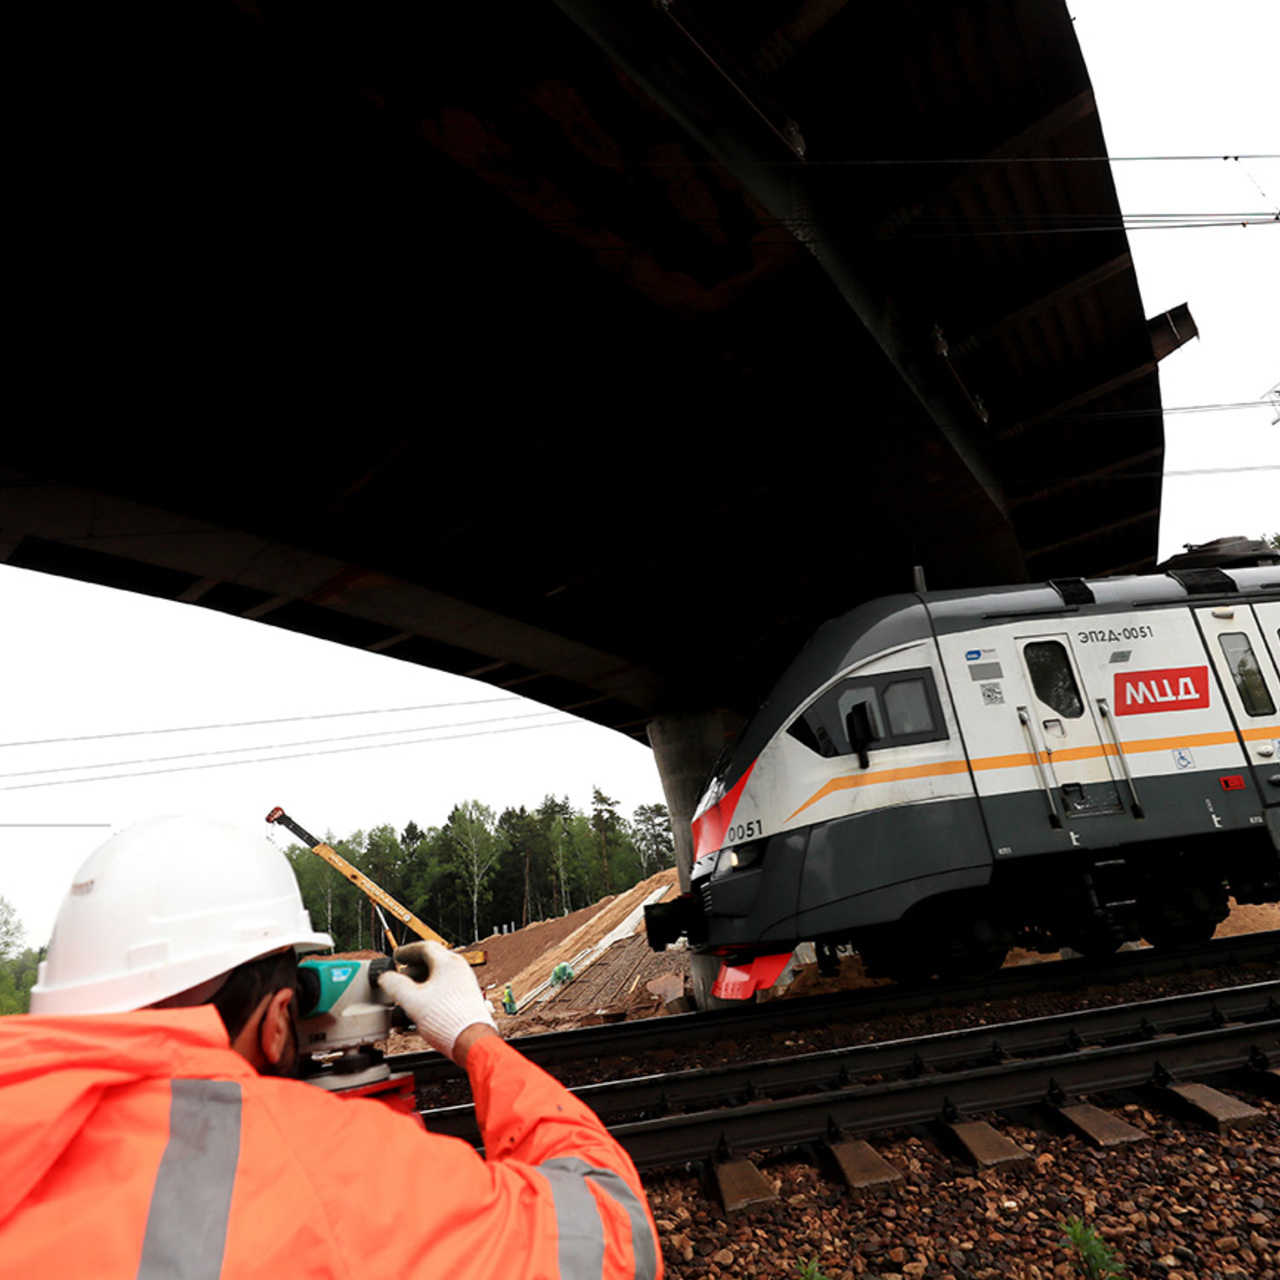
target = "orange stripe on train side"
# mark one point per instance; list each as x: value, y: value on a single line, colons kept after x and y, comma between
x: 1186, y: 740
x: 1021, y: 760
x: 1109, y: 749
x: 1262, y: 734
x: 882, y: 775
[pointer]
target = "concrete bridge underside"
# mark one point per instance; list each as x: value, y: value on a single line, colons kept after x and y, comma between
x: 598, y: 352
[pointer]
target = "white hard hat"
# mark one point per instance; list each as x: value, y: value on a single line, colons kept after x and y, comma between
x: 165, y: 906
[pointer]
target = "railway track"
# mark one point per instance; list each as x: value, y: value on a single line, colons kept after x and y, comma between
x: 866, y: 1005
x: 715, y: 1113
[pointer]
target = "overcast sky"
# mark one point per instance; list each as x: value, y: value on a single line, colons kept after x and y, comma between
x: 1172, y: 78
x: 1186, y: 78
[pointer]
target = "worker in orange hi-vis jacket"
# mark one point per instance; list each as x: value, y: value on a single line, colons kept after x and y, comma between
x: 148, y: 1127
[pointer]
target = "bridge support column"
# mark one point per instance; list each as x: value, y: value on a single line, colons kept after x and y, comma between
x: 685, y: 746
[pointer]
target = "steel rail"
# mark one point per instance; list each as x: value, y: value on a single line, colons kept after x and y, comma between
x: 674, y: 1031
x: 841, y: 1068
x: 759, y: 1126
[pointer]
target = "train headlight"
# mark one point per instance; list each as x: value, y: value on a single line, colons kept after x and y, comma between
x: 745, y: 855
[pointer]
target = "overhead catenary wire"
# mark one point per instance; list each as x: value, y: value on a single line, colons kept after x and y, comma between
x: 273, y: 746
x: 1111, y: 476
x: 1101, y: 219
x: 1214, y: 408
x: 962, y: 228
x: 918, y: 162
x: 256, y: 723
x: 1110, y: 415
x: 1215, y: 158
x: 299, y: 755
x: 1221, y: 471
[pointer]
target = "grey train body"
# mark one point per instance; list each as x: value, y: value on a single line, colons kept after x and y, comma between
x: 939, y: 777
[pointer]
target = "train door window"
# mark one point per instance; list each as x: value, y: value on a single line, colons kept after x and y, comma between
x: 1049, y: 667
x: 1242, y: 662
x: 902, y: 709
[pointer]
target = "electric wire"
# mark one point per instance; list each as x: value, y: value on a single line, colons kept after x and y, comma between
x: 1221, y: 471
x: 930, y: 161
x: 246, y: 724
x: 331, y: 751
x: 1108, y: 477
x: 1111, y: 415
x: 1214, y: 408
x: 962, y: 228
x: 997, y: 221
x: 274, y: 746
x: 1048, y: 218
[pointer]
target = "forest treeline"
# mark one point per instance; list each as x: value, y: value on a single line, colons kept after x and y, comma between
x: 481, y: 871
x: 477, y: 872
x: 17, y: 963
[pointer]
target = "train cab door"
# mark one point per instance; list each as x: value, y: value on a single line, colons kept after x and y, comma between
x: 1060, y: 731
x: 1243, y: 642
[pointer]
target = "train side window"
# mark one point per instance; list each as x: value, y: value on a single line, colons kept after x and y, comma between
x: 902, y: 709
x: 906, y: 704
x: 1049, y: 667
x: 804, y: 732
x: 1242, y: 662
x: 849, y: 696
x: 821, y: 726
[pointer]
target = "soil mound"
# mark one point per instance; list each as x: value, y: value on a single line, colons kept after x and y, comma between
x: 605, y: 947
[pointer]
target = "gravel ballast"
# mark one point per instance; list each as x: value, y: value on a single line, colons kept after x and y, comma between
x: 1183, y: 1205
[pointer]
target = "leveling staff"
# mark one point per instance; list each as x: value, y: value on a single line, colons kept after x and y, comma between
x: 142, y: 1133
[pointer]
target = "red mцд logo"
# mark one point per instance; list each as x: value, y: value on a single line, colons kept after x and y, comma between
x: 1172, y: 689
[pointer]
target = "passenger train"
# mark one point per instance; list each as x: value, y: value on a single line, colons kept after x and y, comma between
x: 939, y: 777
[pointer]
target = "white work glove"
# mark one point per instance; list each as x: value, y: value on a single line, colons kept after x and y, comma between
x: 439, y: 993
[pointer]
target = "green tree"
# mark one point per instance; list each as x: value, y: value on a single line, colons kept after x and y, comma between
x: 433, y: 885
x: 651, y: 835
x: 335, y: 904
x: 10, y: 997
x: 606, y: 822
x: 17, y: 966
x: 315, y: 885
x: 552, y: 815
x: 476, y: 845
x: 523, y: 889
x: 477, y: 870
x: 385, y: 861
x: 10, y: 929
x: 586, y: 875
x: 17, y: 977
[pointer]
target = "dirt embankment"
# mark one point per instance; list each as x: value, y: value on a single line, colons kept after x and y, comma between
x: 614, y: 977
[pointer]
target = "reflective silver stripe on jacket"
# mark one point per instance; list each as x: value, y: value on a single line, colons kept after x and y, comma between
x: 578, y: 1218
x: 187, y: 1222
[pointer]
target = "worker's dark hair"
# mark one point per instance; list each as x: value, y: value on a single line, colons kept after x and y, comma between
x: 246, y: 985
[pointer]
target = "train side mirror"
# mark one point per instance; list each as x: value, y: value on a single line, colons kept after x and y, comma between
x: 861, y: 730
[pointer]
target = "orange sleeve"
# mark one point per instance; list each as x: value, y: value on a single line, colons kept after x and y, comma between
x: 527, y: 1116
x: 368, y: 1193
